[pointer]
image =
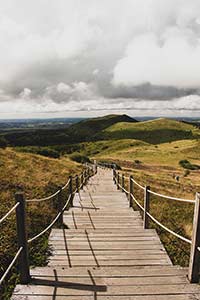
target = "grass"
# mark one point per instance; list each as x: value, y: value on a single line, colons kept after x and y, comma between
x: 37, y: 176
x: 159, y: 164
x: 154, y: 131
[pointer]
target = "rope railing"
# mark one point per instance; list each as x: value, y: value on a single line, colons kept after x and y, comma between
x: 20, y: 208
x: 11, y: 265
x: 51, y: 224
x: 169, y: 230
x: 9, y: 213
x: 194, y: 264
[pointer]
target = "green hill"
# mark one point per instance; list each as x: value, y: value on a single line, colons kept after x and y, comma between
x: 154, y: 131
x: 85, y: 130
x: 88, y: 129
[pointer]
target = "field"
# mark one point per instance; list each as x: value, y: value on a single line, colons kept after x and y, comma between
x: 40, y: 161
x: 37, y: 176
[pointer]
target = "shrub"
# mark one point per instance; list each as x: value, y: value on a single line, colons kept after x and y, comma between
x: 187, y: 165
x: 3, y: 142
x: 44, y: 151
x: 79, y: 158
x: 136, y: 161
x: 48, y: 152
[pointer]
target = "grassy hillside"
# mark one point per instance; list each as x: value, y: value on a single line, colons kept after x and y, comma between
x: 87, y: 129
x: 154, y: 131
x: 157, y: 166
x: 37, y: 176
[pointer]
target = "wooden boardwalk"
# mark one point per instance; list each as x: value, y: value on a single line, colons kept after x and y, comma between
x: 106, y: 254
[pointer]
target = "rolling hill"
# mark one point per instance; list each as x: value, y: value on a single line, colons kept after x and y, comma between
x: 85, y: 130
x: 89, y: 128
x: 154, y: 131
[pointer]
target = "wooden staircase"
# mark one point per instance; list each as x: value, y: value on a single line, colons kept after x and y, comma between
x: 106, y: 254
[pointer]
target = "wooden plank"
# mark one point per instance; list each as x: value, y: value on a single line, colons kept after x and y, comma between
x: 78, y: 289
x: 106, y: 254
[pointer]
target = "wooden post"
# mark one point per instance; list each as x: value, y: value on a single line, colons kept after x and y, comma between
x: 130, y: 190
x: 60, y: 207
x: 146, y: 207
x: 118, y: 180
x: 122, y: 182
x: 77, y: 183
x: 193, y: 274
x: 114, y: 175
x: 22, y: 238
x: 82, y: 180
x: 71, y: 190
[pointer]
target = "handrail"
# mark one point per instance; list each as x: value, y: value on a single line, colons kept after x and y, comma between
x: 9, y: 213
x: 164, y: 196
x: 20, y: 213
x: 138, y: 204
x: 171, y: 198
x: 169, y: 230
x: 142, y: 187
x: 11, y: 265
x: 43, y: 199
x: 51, y: 224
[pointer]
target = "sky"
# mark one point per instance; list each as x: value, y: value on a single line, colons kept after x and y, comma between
x: 65, y: 58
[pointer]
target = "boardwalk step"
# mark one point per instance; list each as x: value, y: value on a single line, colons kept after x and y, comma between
x: 105, y: 254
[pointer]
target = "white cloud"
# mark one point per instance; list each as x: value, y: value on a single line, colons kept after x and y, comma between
x: 66, y: 52
x: 171, y: 60
x: 25, y: 94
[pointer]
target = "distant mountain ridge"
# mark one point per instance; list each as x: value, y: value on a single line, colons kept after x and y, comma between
x: 85, y: 130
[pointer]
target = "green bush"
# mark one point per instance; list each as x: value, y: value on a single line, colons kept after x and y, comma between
x: 79, y: 158
x: 187, y: 165
x: 44, y: 151
x: 3, y: 142
x: 48, y: 152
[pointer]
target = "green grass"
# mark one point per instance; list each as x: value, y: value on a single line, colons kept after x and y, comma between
x: 154, y: 132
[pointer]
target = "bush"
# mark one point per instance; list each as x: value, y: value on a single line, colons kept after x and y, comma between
x: 137, y: 162
x: 79, y: 158
x: 44, y: 151
x: 3, y: 142
x: 187, y: 165
x: 48, y: 152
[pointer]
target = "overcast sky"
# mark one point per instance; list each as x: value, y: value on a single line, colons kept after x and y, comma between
x: 93, y: 57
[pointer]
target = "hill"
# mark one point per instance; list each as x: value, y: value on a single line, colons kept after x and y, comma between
x: 87, y: 129
x: 154, y: 131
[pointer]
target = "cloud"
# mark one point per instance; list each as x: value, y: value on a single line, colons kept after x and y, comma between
x: 171, y: 61
x: 92, y: 54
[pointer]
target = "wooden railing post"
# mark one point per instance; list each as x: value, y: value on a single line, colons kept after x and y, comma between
x: 130, y: 190
x: 123, y: 182
x: 114, y: 175
x: 82, y: 180
x: 146, y: 207
x: 194, y: 263
x: 77, y: 183
x: 22, y: 238
x: 71, y: 190
x: 118, y: 180
x: 60, y: 207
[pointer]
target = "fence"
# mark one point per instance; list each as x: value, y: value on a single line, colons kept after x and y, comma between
x: 73, y: 185
x: 194, y: 263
